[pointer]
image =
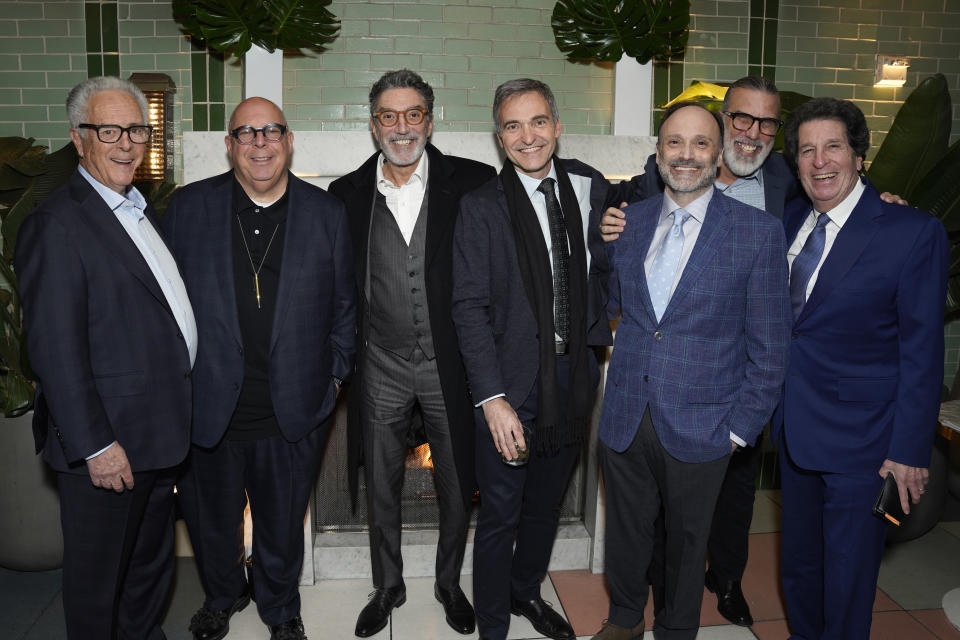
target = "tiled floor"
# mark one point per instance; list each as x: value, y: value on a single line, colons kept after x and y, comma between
x: 913, y: 579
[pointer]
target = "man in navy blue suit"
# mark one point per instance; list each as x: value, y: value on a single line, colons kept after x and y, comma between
x: 268, y: 262
x: 111, y: 335
x: 701, y: 347
x: 530, y: 274
x: 862, y: 393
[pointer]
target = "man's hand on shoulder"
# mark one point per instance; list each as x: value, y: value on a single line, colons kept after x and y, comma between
x: 910, y: 480
x: 111, y: 469
x: 505, y: 427
x: 886, y: 196
x: 613, y: 222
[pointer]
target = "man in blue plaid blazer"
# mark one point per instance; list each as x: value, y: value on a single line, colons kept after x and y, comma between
x: 701, y: 289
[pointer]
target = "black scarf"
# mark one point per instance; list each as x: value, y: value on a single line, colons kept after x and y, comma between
x: 556, y: 425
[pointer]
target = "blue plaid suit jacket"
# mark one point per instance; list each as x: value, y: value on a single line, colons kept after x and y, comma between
x: 716, y: 360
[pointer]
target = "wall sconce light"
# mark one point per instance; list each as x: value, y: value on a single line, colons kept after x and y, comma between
x: 159, y: 90
x: 891, y: 71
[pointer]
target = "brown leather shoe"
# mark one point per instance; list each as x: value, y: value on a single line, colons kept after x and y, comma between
x: 611, y: 631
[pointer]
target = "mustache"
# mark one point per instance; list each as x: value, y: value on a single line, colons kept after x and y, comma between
x: 759, y: 144
x: 684, y: 162
x: 402, y: 136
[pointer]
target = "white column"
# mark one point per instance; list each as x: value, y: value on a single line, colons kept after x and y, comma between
x: 632, y: 97
x: 263, y: 74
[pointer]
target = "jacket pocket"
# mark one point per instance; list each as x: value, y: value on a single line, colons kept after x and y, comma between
x: 115, y: 385
x: 867, y: 389
x: 712, y: 395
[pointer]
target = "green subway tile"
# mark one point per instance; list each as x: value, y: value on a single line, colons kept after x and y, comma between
x: 456, y: 46
x: 415, y: 12
x: 388, y: 62
x: 299, y: 95
x: 42, y: 96
x: 108, y: 22
x: 345, y: 126
x: 451, y: 96
x: 469, y: 15
x: 379, y: 45
x: 838, y: 30
x: 538, y: 66
x: 818, y: 14
x: 493, y: 31
x: 215, y: 77
x: 709, y: 23
x: 475, y: 114
x: 94, y: 64
x: 198, y: 77
x: 838, y: 60
x: 65, y: 79
x: 344, y: 95
x: 318, y: 78
x: 92, y: 18
x: 168, y: 62
x: 517, y: 49
x: 26, y: 114
x: 12, y: 128
x: 757, y: 8
x: 347, y: 62
x: 701, y: 39
x: 418, y: 45
x: 394, y: 28
x: 23, y: 10
x: 773, y: 10
x: 444, y: 30
x: 857, y: 46
x: 64, y: 45
x: 770, y: 28
x: 158, y: 27
x: 873, y: 93
x: 200, y: 119
x: 66, y: 10
x: 468, y: 80
x: 934, y: 50
x: 111, y: 64
x: 841, y: 91
x: 697, y: 71
x: 482, y: 97
x: 55, y: 130
x: 755, y: 70
x: 148, y: 11
x: 517, y: 16
x: 677, y: 84
x: 850, y: 76
x: 535, y: 34
x: 807, y: 29
x: 368, y: 11
x: 218, y: 117
x: 902, y: 19
x: 57, y: 113
x: 355, y: 27
x: 584, y: 100
x: 817, y: 45
x: 816, y: 75
x: 755, y: 40
x: 21, y: 45
x: 356, y: 111
x: 320, y: 111
x: 724, y: 8
x: 502, y: 65
x: 930, y: 34
x: 44, y: 28
x: 8, y: 28
x: 11, y: 96
x: 9, y: 63
x: 661, y: 93
x: 155, y: 45
x: 444, y: 63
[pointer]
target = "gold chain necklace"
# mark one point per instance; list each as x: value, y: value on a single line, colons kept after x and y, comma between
x: 256, y: 270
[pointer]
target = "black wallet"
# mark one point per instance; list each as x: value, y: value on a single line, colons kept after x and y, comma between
x: 887, y: 507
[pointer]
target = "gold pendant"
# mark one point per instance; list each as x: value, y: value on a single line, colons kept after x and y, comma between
x: 256, y: 286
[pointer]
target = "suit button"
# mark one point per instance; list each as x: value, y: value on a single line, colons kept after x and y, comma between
x: 187, y: 375
x: 794, y: 335
x: 236, y: 387
x: 240, y: 350
x: 179, y: 335
x: 413, y: 274
x: 658, y: 335
x: 646, y: 378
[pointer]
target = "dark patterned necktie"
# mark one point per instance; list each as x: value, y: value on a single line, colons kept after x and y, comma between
x: 805, y: 263
x: 561, y: 259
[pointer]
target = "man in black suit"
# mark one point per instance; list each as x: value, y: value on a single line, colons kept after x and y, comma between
x: 267, y: 259
x: 112, y: 338
x: 530, y: 276
x: 402, y: 206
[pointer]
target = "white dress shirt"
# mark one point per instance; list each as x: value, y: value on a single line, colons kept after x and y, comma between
x: 404, y: 201
x: 838, y: 216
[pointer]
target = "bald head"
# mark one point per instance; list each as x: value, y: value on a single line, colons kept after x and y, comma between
x: 260, y: 162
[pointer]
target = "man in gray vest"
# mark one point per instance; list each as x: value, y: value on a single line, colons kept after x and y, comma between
x: 402, y: 204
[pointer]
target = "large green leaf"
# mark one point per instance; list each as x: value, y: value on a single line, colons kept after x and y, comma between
x: 939, y: 191
x: 233, y: 26
x: 604, y: 30
x: 917, y: 139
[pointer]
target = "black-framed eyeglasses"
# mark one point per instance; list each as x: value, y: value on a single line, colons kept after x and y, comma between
x: 109, y: 133
x: 412, y: 116
x: 272, y: 132
x: 743, y: 122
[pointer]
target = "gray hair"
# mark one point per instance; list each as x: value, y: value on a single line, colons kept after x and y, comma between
x: 401, y: 79
x: 511, y: 88
x: 753, y: 83
x: 80, y: 96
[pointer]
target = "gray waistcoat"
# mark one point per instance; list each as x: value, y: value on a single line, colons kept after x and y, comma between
x: 396, y: 285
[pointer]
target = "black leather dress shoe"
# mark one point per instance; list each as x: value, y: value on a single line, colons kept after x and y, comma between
x: 214, y: 624
x: 289, y: 630
x: 543, y: 618
x: 460, y: 614
x: 374, y: 616
x: 730, y: 601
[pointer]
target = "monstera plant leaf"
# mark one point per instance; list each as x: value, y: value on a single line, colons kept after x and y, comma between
x: 604, y: 30
x: 917, y: 139
x: 233, y: 26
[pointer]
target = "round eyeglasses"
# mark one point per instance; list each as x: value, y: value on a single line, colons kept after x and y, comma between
x: 743, y: 122
x: 388, y: 117
x: 109, y: 133
x: 272, y: 132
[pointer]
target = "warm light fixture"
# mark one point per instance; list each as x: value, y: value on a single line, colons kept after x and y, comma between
x: 891, y: 71
x: 159, y: 89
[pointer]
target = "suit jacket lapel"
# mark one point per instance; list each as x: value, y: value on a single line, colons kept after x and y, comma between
x: 854, y: 236
x: 296, y: 244
x: 113, y: 236
x: 219, y: 240
x: 715, y: 227
x: 646, y: 226
x: 773, y: 192
x: 441, y: 203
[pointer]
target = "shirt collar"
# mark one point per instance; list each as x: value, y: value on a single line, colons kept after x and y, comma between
x: 113, y: 199
x: 840, y: 213
x: 530, y: 184
x: 697, y: 209
x: 756, y: 175
x: 276, y: 211
x: 419, y: 174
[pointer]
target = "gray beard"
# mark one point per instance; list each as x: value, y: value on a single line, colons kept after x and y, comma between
x: 740, y: 166
x: 397, y: 161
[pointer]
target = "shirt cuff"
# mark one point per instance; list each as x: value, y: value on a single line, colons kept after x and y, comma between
x: 91, y: 457
x: 483, y: 402
x: 740, y: 441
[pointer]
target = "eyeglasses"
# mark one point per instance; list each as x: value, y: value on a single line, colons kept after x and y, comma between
x: 272, y: 132
x: 389, y: 117
x: 743, y: 122
x: 109, y: 133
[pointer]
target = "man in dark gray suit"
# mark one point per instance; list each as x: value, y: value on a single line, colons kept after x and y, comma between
x: 402, y: 205
x: 530, y: 275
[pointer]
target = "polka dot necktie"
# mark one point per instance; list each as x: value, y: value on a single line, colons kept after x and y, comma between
x: 664, y: 267
x: 561, y: 257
